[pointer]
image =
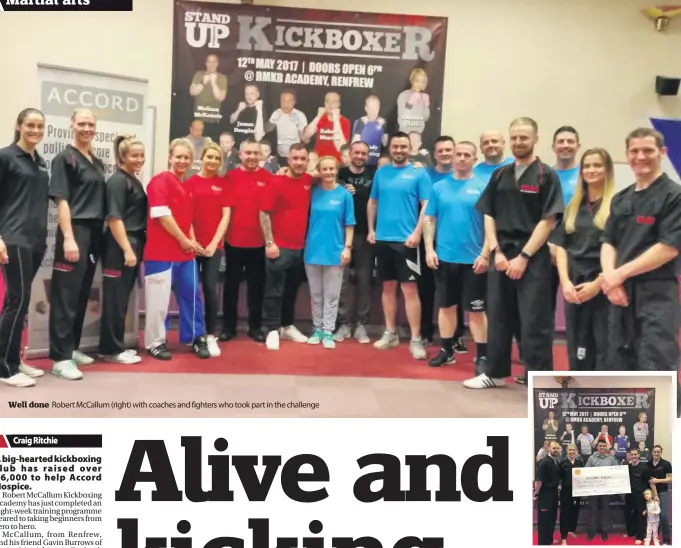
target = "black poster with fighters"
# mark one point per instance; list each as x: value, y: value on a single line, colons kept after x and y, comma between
x: 622, y: 417
x: 287, y: 75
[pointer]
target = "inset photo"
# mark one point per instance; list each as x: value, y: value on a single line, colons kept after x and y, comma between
x: 602, y: 458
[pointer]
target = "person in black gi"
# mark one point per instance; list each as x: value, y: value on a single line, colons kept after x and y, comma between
x: 23, y: 232
x: 126, y: 214
x: 78, y: 187
x: 578, y: 249
x: 521, y: 205
x: 635, y: 505
x: 546, y: 484
x: 661, y: 471
x: 641, y: 243
x: 569, y: 505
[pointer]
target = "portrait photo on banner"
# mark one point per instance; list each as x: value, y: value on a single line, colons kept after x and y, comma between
x: 282, y: 76
x: 602, y: 457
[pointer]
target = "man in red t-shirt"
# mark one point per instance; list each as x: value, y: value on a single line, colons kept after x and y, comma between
x: 244, y: 243
x: 284, y: 210
x: 330, y: 128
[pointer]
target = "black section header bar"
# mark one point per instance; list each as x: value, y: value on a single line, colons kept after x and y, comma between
x: 66, y: 5
x: 57, y: 441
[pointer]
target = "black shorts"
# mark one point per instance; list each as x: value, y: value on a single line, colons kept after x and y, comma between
x: 459, y: 285
x: 397, y: 262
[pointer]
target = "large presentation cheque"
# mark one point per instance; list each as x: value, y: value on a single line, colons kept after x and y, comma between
x: 600, y: 480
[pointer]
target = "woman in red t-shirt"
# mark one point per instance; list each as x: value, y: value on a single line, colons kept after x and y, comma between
x: 211, y: 218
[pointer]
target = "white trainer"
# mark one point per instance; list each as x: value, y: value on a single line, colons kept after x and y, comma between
x: 67, y: 370
x: 30, y: 371
x: 124, y: 357
x: 82, y: 359
x: 272, y: 340
x: 19, y: 380
x: 291, y: 333
x: 213, y: 348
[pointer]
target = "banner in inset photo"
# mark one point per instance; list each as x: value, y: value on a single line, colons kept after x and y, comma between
x: 119, y: 105
x: 623, y: 417
x: 286, y: 75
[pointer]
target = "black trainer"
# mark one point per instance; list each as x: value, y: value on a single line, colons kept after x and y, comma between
x: 257, y: 335
x: 160, y: 352
x: 443, y: 358
x: 427, y: 341
x: 227, y: 335
x: 200, y: 348
x: 460, y: 346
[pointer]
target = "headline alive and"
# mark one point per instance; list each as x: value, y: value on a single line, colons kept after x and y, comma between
x: 285, y: 483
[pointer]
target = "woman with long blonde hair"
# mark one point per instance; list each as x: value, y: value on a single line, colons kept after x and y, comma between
x: 578, y: 247
x: 569, y: 505
x: 211, y: 219
x: 169, y: 254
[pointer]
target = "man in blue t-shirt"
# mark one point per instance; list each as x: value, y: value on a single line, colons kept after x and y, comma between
x: 492, y: 146
x: 460, y: 258
x: 566, y: 147
x: 395, y: 226
x: 371, y: 129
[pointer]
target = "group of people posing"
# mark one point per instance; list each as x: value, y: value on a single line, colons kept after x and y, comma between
x: 647, y: 508
x: 496, y: 237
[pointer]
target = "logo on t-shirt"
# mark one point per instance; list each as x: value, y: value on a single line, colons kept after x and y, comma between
x: 216, y: 189
x: 645, y: 220
x: 335, y: 202
x: 529, y: 189
x: 260, y: 183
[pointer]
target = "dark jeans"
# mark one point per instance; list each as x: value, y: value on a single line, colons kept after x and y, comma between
x: 248, y: 263
x: 363, y: 261
x: 19, y: 273
x: 284, y: 275
x: 209, y: 273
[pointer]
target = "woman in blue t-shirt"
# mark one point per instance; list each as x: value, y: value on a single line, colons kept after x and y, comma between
x: 328, y: 248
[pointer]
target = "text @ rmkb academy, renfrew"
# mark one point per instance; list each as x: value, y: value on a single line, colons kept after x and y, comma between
x: 171, y: 405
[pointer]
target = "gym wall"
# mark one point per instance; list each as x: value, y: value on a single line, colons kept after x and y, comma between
x: 587, y: 63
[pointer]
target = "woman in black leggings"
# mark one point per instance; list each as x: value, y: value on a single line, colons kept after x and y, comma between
x: 78, y: 188
x: 569, y: 505
x: 126, y: 217
x: 211, y: 218
x: 23, y: 233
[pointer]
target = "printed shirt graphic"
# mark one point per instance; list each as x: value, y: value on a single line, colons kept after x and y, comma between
x: 288, y: 127
x: 460, y: 228
x: 325, y: 144
x: 399, y: 192
x: 330, y: 212
x: 568, y: 182
x: 206, y: 106
x: 372, y: 132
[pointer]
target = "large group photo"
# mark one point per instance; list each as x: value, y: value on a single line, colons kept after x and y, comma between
x: 301, y: 219
x: 602, y: 456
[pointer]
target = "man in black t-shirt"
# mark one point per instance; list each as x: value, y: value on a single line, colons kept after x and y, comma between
x: 661, y: 472
x: 546, y: 484
x: 641, y: 242
x: 249, y: 120
x: 357, y: 178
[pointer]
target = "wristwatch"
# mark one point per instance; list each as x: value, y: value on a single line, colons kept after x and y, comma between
x: 525, y: 256
x: 269, y: 243
x: 348, y: 247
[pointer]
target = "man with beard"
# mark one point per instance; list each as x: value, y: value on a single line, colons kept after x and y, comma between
x: 284, y: 208
x: 357, y: 178
x: 230, y: 156
x: 546, y: 484
x: 395, y: 226
x: 244, y: 243
x: 565, y: 146
x: 521, y: 204
x: 641, y: 244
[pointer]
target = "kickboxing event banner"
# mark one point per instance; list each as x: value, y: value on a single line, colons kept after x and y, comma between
x: 267, y: 72
x: 625, y: 415
x: 195, y: 483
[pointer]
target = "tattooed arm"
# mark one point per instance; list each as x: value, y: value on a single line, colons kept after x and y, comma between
x: 429, y: 232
